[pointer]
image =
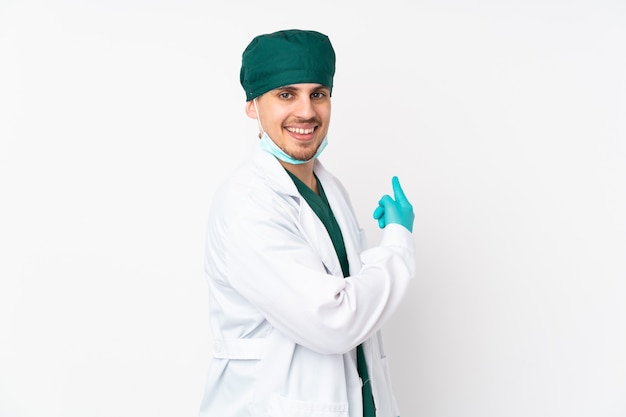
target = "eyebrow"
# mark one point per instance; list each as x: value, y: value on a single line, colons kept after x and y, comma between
x: 292, y: 88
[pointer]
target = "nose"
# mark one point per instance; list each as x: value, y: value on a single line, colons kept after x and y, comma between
x: 305, y: 108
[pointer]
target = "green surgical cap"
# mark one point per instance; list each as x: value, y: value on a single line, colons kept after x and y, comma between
x: 284, y: 58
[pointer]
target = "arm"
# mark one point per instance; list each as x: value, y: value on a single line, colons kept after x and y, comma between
x: 270, y: 263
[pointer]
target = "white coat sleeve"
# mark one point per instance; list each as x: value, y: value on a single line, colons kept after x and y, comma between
x: 269, y: 262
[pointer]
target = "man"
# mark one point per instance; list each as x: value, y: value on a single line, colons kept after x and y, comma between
x: 296, y: 303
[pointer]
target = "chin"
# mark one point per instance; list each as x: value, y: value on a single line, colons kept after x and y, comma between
x: 304, y: 157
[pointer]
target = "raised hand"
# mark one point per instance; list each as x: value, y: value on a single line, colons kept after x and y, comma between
x: 395, y: 210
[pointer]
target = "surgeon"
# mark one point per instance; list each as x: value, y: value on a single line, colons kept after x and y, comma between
x: 296, y: 299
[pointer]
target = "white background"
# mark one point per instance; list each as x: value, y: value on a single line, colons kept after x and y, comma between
x: 505, y: 121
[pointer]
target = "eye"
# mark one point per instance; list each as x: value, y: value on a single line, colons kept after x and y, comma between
x: 285, y: 95
x: 318, y: 95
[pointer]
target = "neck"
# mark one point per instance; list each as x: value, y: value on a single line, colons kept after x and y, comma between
x: 304, y: 172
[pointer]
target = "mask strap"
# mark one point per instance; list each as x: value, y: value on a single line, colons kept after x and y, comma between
x: 258, y: 117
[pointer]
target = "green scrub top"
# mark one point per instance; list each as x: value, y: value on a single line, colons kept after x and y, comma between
x: 320, y: 206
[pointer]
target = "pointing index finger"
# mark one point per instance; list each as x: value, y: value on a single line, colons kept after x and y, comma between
x: 398, y: 193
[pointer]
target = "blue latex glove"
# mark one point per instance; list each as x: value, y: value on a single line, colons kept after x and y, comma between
x: 398, y: 211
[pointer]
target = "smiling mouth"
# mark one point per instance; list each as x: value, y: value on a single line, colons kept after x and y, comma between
x: 300, y: 131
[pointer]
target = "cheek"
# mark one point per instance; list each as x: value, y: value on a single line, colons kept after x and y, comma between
x: 323, y: 112
x: 326, y: 116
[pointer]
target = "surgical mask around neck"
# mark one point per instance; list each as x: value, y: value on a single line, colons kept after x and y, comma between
x: 270, y: 146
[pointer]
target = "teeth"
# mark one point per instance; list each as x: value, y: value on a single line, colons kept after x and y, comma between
x: 300, y: 131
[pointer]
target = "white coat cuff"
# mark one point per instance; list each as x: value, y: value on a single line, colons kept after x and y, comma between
x: 397, y: 235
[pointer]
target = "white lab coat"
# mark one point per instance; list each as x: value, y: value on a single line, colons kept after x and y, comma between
x: 284, y: 321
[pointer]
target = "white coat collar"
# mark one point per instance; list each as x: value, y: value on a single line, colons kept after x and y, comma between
x: 276, y: 174
x: 281, y: 182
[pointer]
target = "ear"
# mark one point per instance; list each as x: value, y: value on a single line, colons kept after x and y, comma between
x: 251, y: 110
